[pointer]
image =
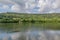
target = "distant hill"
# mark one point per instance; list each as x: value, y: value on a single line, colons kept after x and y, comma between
x: 25, y: 17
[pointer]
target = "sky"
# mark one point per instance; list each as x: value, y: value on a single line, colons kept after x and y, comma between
x: 30, y: 6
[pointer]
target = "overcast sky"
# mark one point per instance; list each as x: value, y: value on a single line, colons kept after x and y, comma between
x: 30, y: 6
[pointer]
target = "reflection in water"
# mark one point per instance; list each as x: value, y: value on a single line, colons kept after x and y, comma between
x: 42, y: 35
x: 29, y: 31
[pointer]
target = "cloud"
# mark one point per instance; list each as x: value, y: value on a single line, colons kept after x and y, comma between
x: 5, y: 7
x: 51, y: 11
x: 7, y: 2
x: 41, y: 4
x: 56, y: 4
x: 15, y: 8
x: 31, y: 6
x: 0, y: 12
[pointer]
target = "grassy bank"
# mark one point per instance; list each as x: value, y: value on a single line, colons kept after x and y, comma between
x: 21, y: 17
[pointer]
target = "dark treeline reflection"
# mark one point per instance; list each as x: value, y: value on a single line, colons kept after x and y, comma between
x: 22, y: 27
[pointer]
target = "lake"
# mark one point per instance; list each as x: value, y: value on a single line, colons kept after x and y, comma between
x: 29, y: 31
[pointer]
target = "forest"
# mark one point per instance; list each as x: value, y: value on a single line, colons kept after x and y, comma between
x: 11, y: 17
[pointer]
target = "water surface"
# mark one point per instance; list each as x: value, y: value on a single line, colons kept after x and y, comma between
x: 29, y: 31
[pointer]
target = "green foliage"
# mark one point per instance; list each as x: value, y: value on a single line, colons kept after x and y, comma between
x: 21, y: 17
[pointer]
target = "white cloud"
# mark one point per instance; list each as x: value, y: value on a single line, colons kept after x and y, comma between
x: 51, y: 11
x: 54, y: 11
x: 15, y: 8
x: 32, y: 5
x: 0, y: 12
x: 41, y: 4
x: 56, y: 4
x: 7, y: 2
x: 5, y: 7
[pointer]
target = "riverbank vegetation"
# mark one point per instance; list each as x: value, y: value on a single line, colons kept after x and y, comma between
x: 25, y: 17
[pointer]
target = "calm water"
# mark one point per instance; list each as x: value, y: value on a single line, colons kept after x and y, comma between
x: 29, y: 31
